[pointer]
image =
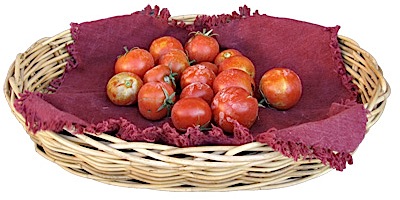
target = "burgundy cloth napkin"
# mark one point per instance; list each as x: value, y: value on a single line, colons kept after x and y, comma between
x: 327, y: 123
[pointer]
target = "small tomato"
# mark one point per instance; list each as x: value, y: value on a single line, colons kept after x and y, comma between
x: 123, y: 88
x: 176, y: 60
x: 155, y: 100
x: 202, y: 47
x: 198, y: 89
x: 234, y: 78
x: 137, y: 61
x: 197, y: 73
x: 234, y: 104
x: 281, y: 88
x: 162, y: 45
x: 238, y: 62
x: 191, y: 112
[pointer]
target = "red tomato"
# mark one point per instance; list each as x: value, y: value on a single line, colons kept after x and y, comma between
x: 191, y: 112
x: 281, y: 88
x: 238, y: 62
x: 226, y: 54
x: 161, y: 73
x: 234, y: 78
x: 200, y: 90
x: 210, y: 65
x: 123, y: 88
x: 234, y: 104
x: 137, y: 61
x: 155, y: 100
x: 202, y: 47
x: 197, y: 73
x: 162, y: 45
x: 176, y: 60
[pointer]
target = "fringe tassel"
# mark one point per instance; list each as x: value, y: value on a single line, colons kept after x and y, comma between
x: 296, y: 150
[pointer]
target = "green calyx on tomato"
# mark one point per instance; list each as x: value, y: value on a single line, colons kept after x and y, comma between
x: 128, y: 83
x: 168, y: 101
x: 171, y: 77
x: 126, y: 51
x: 202, y: 47
x: 205, y: 33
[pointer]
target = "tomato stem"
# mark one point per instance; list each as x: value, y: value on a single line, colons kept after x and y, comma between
x: 128, y: 83
x: 205, y: 33
x: 126, y: 49
x: 171, y: 78
x: 171, y: 75
x: 260, y: 104
x: 263, y: 100
x: 209, y: 33
x: 191, y: 62
x: 124, y: 54
x: 168, y: 101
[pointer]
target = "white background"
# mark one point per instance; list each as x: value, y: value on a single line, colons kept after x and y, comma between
x: 375, y: 172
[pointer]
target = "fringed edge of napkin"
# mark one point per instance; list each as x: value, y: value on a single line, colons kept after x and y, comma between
x: 288, y: 143
x: 35, y: 111
x: 166, y: 134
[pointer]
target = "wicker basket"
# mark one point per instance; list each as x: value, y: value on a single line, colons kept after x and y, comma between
x: 107, y: 159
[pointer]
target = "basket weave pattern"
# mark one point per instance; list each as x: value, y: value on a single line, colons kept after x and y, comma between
x: 108, y: 159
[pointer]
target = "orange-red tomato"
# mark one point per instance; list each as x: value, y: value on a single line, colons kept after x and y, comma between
x: 226, y: 54
x: 162, y: 45
x: 155, y: 100
x: 161, y: 73
x: 137, y: 61
x: 202, y: 47
x: 234, y: 78
x: 281, y: 88
x: 198, y: 89
x: 197, y: 73
x: 175, y: 59
x: 238, y: 62
x: 123, y: 88
x: 234, y: 104
x: 210, y: 65
x: 191, y: 112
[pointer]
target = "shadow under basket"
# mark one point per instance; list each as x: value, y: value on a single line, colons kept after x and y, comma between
x: 111, y: 160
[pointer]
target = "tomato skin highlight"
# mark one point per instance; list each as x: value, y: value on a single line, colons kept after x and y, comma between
x: 234, y: 78
x: 202, y: 48
x: 162, y: 45
x: 136, y: 61
x: 198, y: 89
x: 155, y: 100
x: 160, y: 73
x: 191, y: 112
x: 211, y: 66
x: 197, y: 73
x: 234, y: 104
x: 225, y: 54
x: 176, y: 60
x: 281, y: 88
x: 123, y: 88
x: 238, y: 62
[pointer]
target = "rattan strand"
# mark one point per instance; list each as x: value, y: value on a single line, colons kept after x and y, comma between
x: 110, y: 160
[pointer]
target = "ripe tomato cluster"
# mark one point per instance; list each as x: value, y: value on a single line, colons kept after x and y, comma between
x: 196, y: 84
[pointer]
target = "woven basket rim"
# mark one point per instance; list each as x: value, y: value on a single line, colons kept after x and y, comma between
x: 56, y: 147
